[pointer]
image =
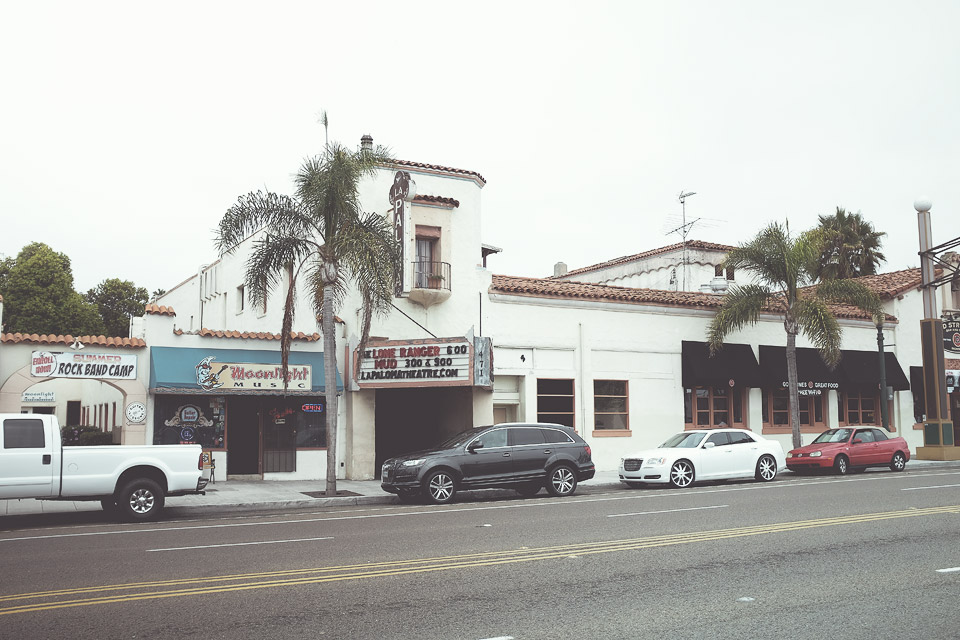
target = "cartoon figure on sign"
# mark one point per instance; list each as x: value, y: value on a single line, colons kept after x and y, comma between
x: 206, y: 378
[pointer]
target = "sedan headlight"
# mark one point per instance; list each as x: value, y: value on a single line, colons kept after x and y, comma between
x: 815, y: 454
x: 413, y: 463
x: 652, y: 462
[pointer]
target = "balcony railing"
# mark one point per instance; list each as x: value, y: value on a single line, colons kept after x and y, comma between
x: 431, y: 275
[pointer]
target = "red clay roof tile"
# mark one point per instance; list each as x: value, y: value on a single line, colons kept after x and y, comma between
x: 249, y: 335
x: 551, y: 288
x: 437, y: 200
x: 437, y: 167
x: 159, y: 310
x: 103, y: 341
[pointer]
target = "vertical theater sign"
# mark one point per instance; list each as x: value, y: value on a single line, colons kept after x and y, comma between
x: 404, y: 189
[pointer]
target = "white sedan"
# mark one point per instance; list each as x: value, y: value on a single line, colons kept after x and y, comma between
x: 705, y: 454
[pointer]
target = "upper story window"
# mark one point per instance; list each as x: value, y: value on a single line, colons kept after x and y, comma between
x: 429, y: 272
x: 241, y: 298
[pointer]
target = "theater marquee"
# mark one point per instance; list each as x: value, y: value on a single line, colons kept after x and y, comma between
x: 416, y: 363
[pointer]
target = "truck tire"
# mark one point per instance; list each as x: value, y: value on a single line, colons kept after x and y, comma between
x: 140, y: 500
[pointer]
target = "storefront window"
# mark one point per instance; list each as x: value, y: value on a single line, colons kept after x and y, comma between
x: 712, y: 406
x: 859, y: 408
x: 776, y: 409
x: 189, y: 420
x: 555, y: 401
x: 610, y: 405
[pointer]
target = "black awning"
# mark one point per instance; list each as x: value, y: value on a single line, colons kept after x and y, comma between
x: 812, y: 371
x: 861, y: 370
x: 733, y: 362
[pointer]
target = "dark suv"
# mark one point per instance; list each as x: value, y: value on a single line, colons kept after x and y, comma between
x: 524, y: 457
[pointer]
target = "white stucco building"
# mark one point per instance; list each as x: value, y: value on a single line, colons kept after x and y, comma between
x: 615, y: 350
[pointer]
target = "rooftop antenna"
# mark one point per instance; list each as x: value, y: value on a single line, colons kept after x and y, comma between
x: 683, y: 230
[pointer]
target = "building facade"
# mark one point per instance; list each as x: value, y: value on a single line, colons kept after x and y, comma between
x: 615, y: 350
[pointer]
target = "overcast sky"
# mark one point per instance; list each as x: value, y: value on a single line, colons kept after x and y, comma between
x: 127, y: 129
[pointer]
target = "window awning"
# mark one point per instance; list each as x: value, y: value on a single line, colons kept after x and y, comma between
x: 857, y: 369
x: 234, y: 371
x: 862, y: 370
x: 812, y: 371
x: 734, y: 362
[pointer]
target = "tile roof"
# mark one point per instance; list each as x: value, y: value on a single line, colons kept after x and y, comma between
x: 891, y: 285
x: 692, y: 244
x: 156, y: 309
x: 102, y: 341
x: 436, y: 200
x: 560, y: 289
x: 249, y: 335
x: 437, y: 167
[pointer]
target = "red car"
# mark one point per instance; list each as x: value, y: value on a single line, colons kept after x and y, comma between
x: 850, y: 448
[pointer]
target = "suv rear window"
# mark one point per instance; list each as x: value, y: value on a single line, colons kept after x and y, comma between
x: 555, y: 436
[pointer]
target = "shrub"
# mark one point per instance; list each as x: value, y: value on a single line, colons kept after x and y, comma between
x: 84, y: 435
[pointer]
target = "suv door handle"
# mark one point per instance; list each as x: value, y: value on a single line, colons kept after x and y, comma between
x: 46, y: 458
x: 506, y: 455
x: 548, y: 451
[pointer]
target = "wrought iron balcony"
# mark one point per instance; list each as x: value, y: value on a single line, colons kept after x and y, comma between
x: 431, y: 282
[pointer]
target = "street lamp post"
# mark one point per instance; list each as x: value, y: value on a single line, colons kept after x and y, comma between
x: 937, y: 427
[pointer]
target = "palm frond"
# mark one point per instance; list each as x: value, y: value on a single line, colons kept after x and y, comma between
x: 258, y: 210
x: 820, y: 326
x: 853, y: 293
x: 742, y: 305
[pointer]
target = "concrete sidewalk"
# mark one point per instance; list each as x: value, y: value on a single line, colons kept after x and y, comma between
x: 237, y: 495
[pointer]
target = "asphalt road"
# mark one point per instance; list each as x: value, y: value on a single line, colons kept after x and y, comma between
x: 875, y: 555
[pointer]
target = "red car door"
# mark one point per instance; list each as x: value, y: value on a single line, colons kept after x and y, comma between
x: 886, y: 447
x: 863, y: 448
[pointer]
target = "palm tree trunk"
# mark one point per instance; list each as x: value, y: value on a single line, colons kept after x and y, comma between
x: 792, y: 385
x: 330, y: 386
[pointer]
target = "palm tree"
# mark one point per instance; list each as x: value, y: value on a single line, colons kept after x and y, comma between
x: 782, y: 266
x: 320, y: 237
x: 851, y: 247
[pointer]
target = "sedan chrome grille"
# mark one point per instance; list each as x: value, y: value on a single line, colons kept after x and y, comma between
x: 632, y: 464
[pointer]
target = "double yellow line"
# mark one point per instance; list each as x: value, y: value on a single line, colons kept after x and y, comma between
x: 109, y: 594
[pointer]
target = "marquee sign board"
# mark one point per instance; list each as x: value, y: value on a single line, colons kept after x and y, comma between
x: 415, y: 363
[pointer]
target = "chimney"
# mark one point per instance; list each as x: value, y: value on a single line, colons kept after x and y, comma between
x: 559, y: 269
x: 366, y: 142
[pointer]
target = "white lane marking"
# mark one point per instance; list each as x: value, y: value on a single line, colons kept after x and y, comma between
x: 648, y: 513
x: 500, y: 638
x: 241, y: 544
x: 950, y: 570
x: 543, y: 502
x: 938, y: 486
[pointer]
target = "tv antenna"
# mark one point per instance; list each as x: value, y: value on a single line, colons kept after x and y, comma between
x: 683, y: 230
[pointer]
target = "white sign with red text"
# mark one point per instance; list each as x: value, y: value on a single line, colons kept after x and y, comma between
x: 53, y: 364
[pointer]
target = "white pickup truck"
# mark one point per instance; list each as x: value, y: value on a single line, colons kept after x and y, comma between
x: 132, y: 481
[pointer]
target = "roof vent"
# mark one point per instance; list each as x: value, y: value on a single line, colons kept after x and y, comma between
x: 559, y: 269
x: 366, y: 142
